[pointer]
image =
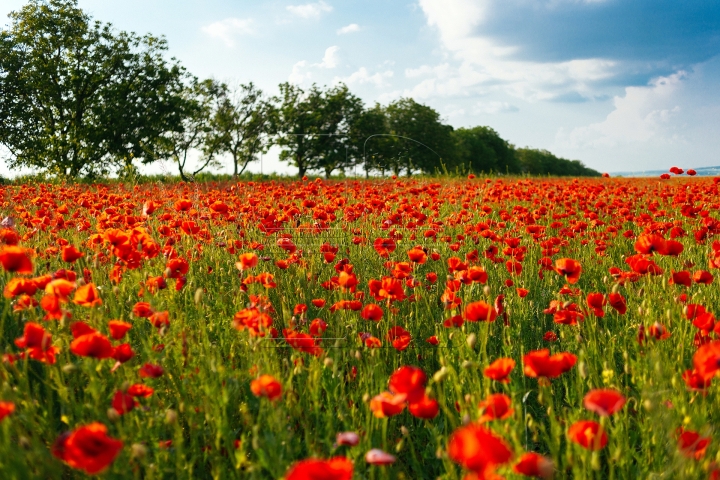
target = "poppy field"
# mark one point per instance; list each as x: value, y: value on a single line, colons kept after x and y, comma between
x: 475, y: 328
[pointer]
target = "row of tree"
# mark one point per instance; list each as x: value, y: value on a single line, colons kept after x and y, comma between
x: 78, y: 99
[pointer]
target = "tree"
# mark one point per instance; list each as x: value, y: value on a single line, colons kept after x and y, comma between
x: 78, y: 98
x: 198, y: 107
x: 481, y: 149
x: 243, y: 125
x: 427, y: 140
x: 339, y: 114
x: 542, y: 162
x: 298, y: 125
x: 370, y: 134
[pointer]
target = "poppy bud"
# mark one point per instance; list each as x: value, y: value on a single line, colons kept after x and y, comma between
x: 582, y: 369
x: 113, y: 415
x: 440, y: 375
x: 171, y: 416
x: 471, y: 340
x: 486, y: 290
x: 80, y: 282
x: 615, y: 288
x: 366, y: 397
x: 466, y: 418
x: 358, y: 355
x: 24, y: 442
x: 138, y: 450
x: 198, y: 295
x: 328, y: 362
x: 116, y: 290
x: 68, y: 368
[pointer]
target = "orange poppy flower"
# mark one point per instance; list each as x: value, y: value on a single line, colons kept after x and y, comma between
x: 15, y: 259
x: 588, y: 434
x: 60, y: 288
x: 140, y: 390
x: 266, y: 386
x: 247, y: 261
x: 568, y: 268
x: 387, y: 404
x: 604, y: 401
x: 87, y: 448
x: 337, y: 468
x: 87, y: 296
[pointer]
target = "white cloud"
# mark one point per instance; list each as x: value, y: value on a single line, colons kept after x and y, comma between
x: 362, y: 76
x: 643, y: 114
x: 310, y: 10
x: 298, y: 75
x: 494, y: 107
x: 227, y: 29
x: 330, y: 59
x: 484, y: 66
x: 353, y: 27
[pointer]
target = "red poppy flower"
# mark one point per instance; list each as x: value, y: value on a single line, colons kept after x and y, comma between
x: 495, y: 407
x: 588, y: 434
x: 150, y: 370
x: 409, y: 381
x: 247, y: 261
x: 617, y: 302
x: 425, y: 408
x: 707, y: 359
x: 123, y: 402
x: 372, y: 312
x: 6, y: 408
x: 596, y: 301
x: 604, y: 401
x: 399, y: 337
x: 500, y: 369
x: 118, y: 328
x: 691, y: 444
x: 478, y: 449
x: 539, y: 363
x: 140, y: 390
x: 266, y: 386
x: 680, y: 278
x: 87, y: 448
x: 95, y: 345
x: 479, y: 312
x: 70, y: 254
x: 568, y: 268
x: 337, y: 468
x: 384, y: 246
x: 532, y: 464
x: 15, y: 259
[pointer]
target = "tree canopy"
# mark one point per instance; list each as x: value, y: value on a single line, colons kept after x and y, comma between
x: 77, y: 97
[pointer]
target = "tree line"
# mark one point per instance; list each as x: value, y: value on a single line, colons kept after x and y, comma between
x: 80, y: 99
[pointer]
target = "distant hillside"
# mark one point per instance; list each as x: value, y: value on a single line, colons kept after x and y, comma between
x: 701, y: 172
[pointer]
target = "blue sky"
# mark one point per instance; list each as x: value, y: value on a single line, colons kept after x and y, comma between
x: 619, y: 84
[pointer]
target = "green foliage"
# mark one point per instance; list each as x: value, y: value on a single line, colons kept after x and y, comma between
x: 483, y: 150
x: 78, y: 98
x: 427, y: 140
x: 243, y: 125
x: 542, y: 162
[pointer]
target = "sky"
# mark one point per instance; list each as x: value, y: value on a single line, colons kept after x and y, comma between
x: 622, y: 85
